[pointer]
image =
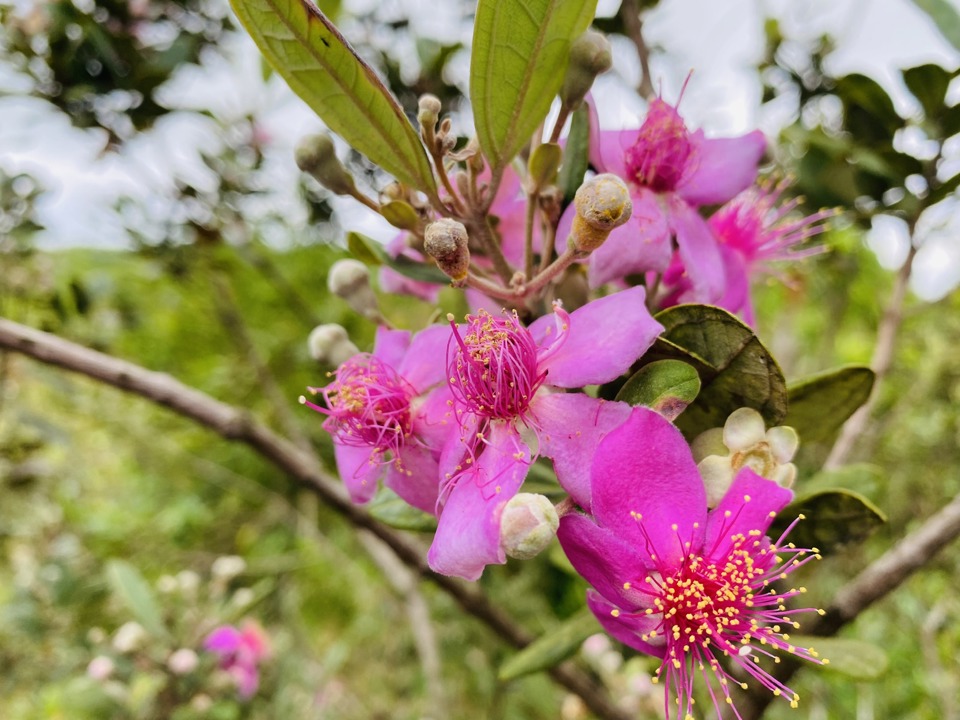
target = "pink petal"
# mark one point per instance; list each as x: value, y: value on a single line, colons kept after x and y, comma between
x: 645, y: 468
x: 391, y: 345
x: 750, y: 504
x: 736, y: 293
x: 569, y: 427
x: 724, y: 167
x: 358, y: 471
x: 625, y: 628
x: 640, y: 245
x: 699, y: 251
x: 608, y: 150
x: 247, y: 679
x: 223, y: 640
x: 468, y: 534
x: 416, y: 478
x: 620, y: 324
x: 393, y: 282
x: 425, y: 363
x: 603, y: 560
x: 433, y: 419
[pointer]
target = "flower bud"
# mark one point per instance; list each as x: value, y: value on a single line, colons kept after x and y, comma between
x: 350, y: 279
x: 446, y: 242
x: 183, y: 661
x: 329, y: 344
x: 316, y: 155
x: 528, y: 525
x: 129, y: 637
x: 744, y: 441
x: 100, y: 668
x: 603, y: 204
x: 228, y: 567
x: 590, y: 56
x: 428, y: 112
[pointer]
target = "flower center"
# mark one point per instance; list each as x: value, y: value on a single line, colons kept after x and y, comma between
x: 369, y: 404
x: 758, y: 458
x: 492, y: 368
x: 663, y: 152
x: 706, y: 602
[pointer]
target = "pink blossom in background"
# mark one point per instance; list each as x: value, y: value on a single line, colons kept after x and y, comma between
x: 676, y: 581
x: 506, y: 380
x: 241, y: 651
x: 387, y: 412
x: 671, y: 172
x: 754, y: 229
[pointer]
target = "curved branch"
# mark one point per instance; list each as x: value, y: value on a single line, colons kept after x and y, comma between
x: 238, y: 425
x: 878, y: 579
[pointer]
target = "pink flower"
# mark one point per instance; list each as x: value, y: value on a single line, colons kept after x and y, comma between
x: 506, y: 379
x: 386, y: 412
x: 672, y: 580
x: 753, y: 230
x: 241, y: 651
x: 671, y: 172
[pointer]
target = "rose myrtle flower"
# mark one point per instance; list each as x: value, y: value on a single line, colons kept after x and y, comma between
x: 671, y: 172
x: 384, y: 419
x: 507, y: 383
x: 241, y: 651
x: 753, y: 229
x: 675, y: 581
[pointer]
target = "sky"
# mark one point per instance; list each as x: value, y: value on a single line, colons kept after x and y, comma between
x: 720, y: 42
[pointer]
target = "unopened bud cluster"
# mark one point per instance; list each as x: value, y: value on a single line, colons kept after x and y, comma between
x: 528, y: 525
x: 317, y: 156
x: 446, y: 241
x: 350, y: 280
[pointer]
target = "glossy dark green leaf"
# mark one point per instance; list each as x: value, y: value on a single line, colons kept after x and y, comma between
x: 520, y: 54
x: 735, y: 369
x: 576, y: 154
x: 944, y: 190
x: 552, y: 648
x: 390, y: 509
x: 945, y: 18
x: 855, y: 659
x: 822, y: 403
x: 365, y: 249
x: 128, y: 585
x: 928, y: 84
x: 862, y: 478
x: 832, y: 518
x: 666, y: 386
x: 320, y: 66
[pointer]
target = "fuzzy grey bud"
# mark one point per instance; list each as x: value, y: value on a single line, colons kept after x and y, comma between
x: 528, y: 525
x: 590, y: 56
x: 350, y: 279
x: 317, y: 156
x: 428, y: 111
x: 603, y: 204
x: 446, y: 242
x: 330, y: 344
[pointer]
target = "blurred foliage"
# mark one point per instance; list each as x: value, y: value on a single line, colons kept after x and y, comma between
x: 89, y: 475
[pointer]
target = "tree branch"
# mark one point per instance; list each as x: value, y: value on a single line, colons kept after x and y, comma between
x: 633, y: 27
x: 234, y: 424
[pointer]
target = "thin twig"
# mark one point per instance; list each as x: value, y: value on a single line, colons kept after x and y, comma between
x: 234, y: 424
x: 633, y: 27
x: 882, y: 360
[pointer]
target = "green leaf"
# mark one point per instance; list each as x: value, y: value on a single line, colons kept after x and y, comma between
x: 400, y: 214
x: 832, y: 518
x: 520, y: 54
x: 822, y: 403
x: 552, y: 648
x: 869, y: 113
x: 666, y: 386
x: 128, y: 584
x: 576, y: 155
x: 735, y: 368
x: 928, y: 84
x: 370, y: 252
x: 543, y: 165
x: 862, y: 478
x: 390, y: 509
x: 945, y: 17
x: 856, y: 659
x: 321, y: 67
